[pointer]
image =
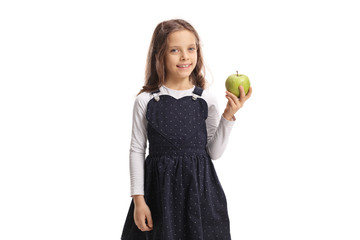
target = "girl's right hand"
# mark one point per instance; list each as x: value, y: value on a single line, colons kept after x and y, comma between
x: 142, y: 212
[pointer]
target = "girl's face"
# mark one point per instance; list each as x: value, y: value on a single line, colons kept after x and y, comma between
x: 181, y: 56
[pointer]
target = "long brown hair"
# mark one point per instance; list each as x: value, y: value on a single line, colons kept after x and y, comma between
x: 155, y: 62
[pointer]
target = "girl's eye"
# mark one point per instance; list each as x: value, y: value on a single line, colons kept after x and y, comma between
x: 192, y: 49
x: 173, y: 50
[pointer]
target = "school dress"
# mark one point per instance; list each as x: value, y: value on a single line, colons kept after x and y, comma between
x: 181, y: 186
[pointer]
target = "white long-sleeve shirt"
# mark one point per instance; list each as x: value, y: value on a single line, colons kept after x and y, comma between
x: 218, y: 131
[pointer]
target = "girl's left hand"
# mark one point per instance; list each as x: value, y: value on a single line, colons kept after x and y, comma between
x: 234, y: 103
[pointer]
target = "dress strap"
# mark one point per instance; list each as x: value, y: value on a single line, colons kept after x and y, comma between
x: 197, y: 92
x: 155, y: 93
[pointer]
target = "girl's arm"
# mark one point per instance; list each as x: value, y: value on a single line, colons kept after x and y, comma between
x: 218, y: 128
x: 138, y: 145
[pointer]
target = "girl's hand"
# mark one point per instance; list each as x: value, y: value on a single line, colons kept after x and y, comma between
x: 142, y: 212
x: 234, y: 103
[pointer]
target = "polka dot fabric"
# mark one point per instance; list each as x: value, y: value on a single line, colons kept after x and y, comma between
x: 182, y: 189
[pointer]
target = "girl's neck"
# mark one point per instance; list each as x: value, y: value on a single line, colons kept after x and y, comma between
x: 178, y: 85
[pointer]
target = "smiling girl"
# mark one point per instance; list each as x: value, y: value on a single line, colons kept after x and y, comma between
x: 176, y: 193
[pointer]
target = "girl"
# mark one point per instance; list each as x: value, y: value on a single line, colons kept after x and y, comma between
x: 176, y: 194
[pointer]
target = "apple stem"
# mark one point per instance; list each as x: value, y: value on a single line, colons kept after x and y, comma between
x: 237, y: 74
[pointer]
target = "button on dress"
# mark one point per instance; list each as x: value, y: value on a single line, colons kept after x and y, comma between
x: 181, y: 186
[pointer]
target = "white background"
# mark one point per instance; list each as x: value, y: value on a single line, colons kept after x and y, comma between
x: 69, y: 74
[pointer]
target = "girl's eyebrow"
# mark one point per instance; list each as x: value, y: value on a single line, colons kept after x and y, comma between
x: 190, y: 45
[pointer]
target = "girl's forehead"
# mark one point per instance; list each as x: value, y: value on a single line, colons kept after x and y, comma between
x: 182, y: 37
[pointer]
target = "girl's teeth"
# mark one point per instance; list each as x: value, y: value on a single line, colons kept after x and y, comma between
x: 184, y: 66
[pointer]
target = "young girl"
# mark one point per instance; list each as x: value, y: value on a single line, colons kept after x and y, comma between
x: 176, y: 194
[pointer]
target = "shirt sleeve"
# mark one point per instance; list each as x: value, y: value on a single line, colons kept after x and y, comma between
x: 218, y: 129
x: 138, y: 145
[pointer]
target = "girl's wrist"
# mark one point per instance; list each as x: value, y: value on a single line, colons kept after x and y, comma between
x: 228, y: 117
x: 138, y: 199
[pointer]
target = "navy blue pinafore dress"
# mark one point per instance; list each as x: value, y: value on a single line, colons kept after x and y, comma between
x: 181, y: 186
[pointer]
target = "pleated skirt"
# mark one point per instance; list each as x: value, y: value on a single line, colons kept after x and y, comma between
x: 185, y: 197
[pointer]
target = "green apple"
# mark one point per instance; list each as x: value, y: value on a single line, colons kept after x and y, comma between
x: 234, y: 81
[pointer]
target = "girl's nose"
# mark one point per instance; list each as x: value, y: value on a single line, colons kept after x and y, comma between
x: 184, y: 56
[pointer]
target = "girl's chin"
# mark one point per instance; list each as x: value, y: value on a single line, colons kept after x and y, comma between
x: 182, y: 74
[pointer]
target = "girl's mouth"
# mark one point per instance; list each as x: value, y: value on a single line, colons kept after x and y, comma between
x: 184, y: 66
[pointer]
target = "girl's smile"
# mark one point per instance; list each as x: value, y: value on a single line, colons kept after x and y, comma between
x: 184, y: 66
x: 177, y: 130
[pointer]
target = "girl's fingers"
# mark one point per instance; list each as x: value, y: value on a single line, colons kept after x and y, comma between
x: 150, y: 221
x: 249, y: 93
x: 242, y: 93
x: 231, y: 101
x: 141, y: 223
x: 233, y: 97
x: 230, y: 94
x: 143, y: 226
